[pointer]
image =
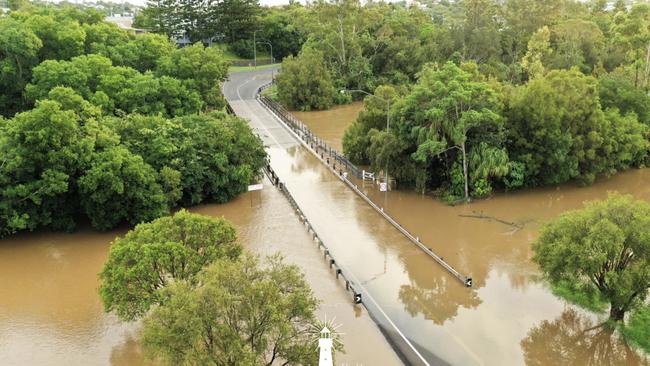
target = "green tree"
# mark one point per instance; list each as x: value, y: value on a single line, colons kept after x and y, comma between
x: 481, y: 40
x: 115, y: 88
x: 62, y: 38
x: 558, y: 130
x: 234, y: 19
x: 393, y: 45
x: 148, y: 94
x: 277, y: 27
x: 157, y: 254
x: 143, y: 52
x: 82, y: 74
x: 102, y: 37
x: 443, y: 109
x: 161, y: 16
x: 305, y: 82
x: 200, y: 69
x: 41, y: 151
x: 523, y: 18
x: 632, y: 32
x: 603, y: 247
x: 216, y: 155
x: 616, y: 91
x: 577, y: 43
x: 19, y: 48
x: 538, y: 53
x: 240, y: 313
x: 119, y: 186
x: 339, y: 30
x: 356, y: 139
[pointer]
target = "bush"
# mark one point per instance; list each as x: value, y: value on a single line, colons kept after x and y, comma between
x: 637, y: 330
x: 243, y: 48
x: 305, y: 82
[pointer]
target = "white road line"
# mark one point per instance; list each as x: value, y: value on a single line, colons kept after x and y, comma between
x: 245, y: 103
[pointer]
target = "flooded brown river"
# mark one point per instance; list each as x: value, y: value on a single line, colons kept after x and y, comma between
x: 330, y: 124
x: 50, y: 313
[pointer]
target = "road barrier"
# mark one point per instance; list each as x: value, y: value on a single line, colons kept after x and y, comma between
x: 299, y: 128
x: 340, y: 271
x: 404, y: 347
x: 330, y: 157
x: 400, y: 343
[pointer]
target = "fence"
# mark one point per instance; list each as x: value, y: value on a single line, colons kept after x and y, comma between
x: 331, y: 158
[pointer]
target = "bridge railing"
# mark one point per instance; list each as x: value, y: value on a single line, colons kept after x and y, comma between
x: 322, y: 147
x: 338, y: 163
x: 405, y: 348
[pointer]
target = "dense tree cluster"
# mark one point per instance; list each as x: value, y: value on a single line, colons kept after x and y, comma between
x: 484, y: 94
x: 203, y: 302
x: 234, y: 23
x: 251, y: 312
x: 175, y: 247
x: 46, y: 47
x: 111, y: 126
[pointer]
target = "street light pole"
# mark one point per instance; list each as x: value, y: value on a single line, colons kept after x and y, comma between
x: 254, y: 50
x: 270, y: 45
x: 387, y: 101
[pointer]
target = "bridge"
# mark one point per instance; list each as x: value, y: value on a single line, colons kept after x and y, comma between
x: 345, y: 224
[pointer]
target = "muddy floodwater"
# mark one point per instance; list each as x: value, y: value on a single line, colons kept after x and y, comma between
x: 510, y: 316
x: 330, y: 124
x: 50, y: 313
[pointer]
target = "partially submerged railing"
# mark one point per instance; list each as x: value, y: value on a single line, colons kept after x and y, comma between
x: 337, y: 163
x: 305, y: 133
x: 357, y: 298
x: 398, y: 340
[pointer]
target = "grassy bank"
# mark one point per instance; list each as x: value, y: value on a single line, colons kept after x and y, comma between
x: 637, y: 329
x: 251, y: 68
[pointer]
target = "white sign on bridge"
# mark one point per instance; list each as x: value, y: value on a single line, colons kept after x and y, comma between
x: 255, y: 187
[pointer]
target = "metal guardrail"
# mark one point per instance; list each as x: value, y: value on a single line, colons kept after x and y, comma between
x: 229, y: 109
x: 331, y: 158
x: 340, y: 271
x: 315, y: 142
x: 400, y: 343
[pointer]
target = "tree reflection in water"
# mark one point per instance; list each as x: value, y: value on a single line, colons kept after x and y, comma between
x: 573, y: 339
x: 436, y: 295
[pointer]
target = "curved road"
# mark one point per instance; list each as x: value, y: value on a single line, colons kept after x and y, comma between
x: 382, y: 261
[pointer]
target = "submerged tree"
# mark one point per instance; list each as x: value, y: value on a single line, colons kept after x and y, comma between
x: 240, y: 313
x: 604, y: 248
x: 444, y: 108
x: 156, y: 254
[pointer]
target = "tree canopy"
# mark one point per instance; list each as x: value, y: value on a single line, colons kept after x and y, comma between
x: 242, y: 312
x: 156, y: 254
x: 305, y: 82
x: 84, y: 98
x: 603, y: 248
